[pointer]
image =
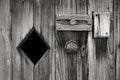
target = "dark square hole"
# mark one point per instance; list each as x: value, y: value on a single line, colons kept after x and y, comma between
x: 33, y: 46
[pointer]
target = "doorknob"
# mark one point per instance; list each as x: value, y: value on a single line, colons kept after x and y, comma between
x: 71, y: 45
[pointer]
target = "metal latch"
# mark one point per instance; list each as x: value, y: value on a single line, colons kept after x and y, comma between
x: 98, y: 22
x: 74, y: 22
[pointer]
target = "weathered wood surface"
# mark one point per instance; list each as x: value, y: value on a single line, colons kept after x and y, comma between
x: 101, y: 64
x: 44, y: 23
x: 117, y: 36
x: 5, y: 47
x: 101, y: 55
x: 71, y: 65
x: 21, y: 23
x: 96, y: 59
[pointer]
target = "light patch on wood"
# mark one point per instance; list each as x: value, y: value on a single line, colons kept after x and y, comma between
x: 101, y: 24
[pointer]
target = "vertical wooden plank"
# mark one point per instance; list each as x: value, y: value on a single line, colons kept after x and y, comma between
x: 91, y: 58
x: 106, y: 65
x: 91, y: 6
x: 5, y: 39
x: 69, y: 6
x: 102, y: 55
x: 60, y: 64
x: 103, y: 5
x: 52, y: 39
x: 44, y: 23
x: 65, y: 7
x: 91, y: 47
x: 117, y: 36
x: 81, y: 6
x: 71, y: 65
x: 22, y: 22
x: 59, y: 58
x: 42, y: 69
x: 45, y: 12
x: 82, y: 59
x: 37, y: 15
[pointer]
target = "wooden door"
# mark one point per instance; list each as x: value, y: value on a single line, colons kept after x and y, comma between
x: 89, y: 59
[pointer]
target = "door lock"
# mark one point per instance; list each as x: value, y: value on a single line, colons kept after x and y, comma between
x: 98, y: 23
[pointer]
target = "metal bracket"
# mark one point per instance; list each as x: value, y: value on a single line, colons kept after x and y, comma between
x: 101, y: 24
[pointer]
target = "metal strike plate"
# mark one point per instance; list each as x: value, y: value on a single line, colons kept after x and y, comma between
x: 73, y: 22
x: 101, y: 24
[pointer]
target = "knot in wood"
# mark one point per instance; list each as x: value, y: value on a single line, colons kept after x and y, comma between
x: 71, y: 45
x: 72, y: 21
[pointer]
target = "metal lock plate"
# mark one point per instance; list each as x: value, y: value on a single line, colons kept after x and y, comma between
x: 80, y: 22
x: 101, y: 24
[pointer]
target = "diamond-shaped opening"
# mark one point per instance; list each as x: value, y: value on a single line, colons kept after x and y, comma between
x: 33, y: 46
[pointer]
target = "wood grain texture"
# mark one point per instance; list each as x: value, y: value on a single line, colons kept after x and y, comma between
x: 5, y: 47
x: 42, y: 69
x: 44, y: 23
x: 21, y: 23
x: 82, y: 59
x: 91, y: 58
x: 75, y: 63
x: 65, y: 62
x: 82, y: 6
x: 96, y: 59
x: 117, y: 36
x: 101, y: 54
